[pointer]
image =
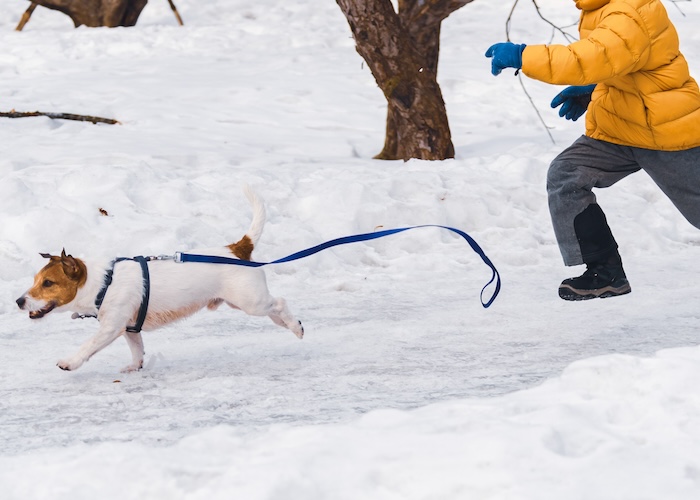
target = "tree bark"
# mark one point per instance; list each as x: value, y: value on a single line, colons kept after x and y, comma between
x: 401, y: 49
x: 95, y: 13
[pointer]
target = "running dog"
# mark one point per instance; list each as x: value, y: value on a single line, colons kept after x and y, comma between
x: 114, y: 292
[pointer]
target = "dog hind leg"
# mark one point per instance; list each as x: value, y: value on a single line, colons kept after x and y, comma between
x: 276, y: 309
x: 280, y: 315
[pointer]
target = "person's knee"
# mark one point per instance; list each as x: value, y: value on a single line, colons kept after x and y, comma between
x: 558, y: 175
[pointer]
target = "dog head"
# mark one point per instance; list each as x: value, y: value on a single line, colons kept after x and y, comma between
x: 55, y: 285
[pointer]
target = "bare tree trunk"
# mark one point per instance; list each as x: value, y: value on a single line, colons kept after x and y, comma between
x: 429, y: 42
x: 417, y: 124
x: 401, y: 49
x: 94, y: 13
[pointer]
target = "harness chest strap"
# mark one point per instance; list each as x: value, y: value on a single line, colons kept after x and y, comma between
x: 143, y: 308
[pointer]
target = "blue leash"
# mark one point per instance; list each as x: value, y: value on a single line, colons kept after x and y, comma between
x: 213, y: 259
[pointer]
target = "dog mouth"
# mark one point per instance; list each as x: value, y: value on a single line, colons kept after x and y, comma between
x: 43, y: 311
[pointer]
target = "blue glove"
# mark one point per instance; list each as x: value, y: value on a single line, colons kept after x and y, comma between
x: 574, y: 100
x: 505, y: 55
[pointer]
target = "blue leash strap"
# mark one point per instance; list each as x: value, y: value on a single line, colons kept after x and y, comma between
x: 215, y: 259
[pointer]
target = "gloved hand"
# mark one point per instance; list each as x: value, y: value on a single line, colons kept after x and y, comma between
x: 574, y: 100
x: 505, y: 55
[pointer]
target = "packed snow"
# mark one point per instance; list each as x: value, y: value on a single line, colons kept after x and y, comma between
x: 404, y: 386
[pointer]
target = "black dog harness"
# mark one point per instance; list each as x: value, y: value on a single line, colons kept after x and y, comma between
x: 143, y: 309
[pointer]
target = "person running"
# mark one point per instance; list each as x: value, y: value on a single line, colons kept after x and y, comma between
x: 643, y: 113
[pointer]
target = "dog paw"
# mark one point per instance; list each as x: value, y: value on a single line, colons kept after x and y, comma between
x: 67, y: 365
x: 134, y: 367
x: 299, y: 330
x: 70, y: 364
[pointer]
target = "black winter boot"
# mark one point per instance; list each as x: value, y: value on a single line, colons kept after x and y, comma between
x: 601, y: 280
x: 604, y: 276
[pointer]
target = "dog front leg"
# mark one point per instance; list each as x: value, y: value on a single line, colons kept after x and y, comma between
x: 135, y: 343
x: 105, y: 336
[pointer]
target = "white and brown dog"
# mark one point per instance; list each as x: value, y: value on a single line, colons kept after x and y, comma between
x: 177, y: 290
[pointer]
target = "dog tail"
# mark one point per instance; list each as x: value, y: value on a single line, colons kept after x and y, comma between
x: 243, y: 248
x: 258, y: 222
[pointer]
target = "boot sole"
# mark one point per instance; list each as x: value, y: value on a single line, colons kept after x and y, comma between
x: 567, y: 292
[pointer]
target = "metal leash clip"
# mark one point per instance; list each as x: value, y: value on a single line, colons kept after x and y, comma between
x: 160, y: 257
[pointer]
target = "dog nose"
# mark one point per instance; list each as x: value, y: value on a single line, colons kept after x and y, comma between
x: 21, y: 301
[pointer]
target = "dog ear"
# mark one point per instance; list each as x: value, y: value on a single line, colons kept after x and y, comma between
x: 45, y: 255
x: 70, y: 265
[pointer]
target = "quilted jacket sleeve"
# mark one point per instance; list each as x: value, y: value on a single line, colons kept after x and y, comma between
x: 618, y: 45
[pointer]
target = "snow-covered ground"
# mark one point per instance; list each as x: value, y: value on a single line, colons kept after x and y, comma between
x: 404, y: 386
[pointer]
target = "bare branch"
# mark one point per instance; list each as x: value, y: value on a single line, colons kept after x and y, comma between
x: 520, y: 78
x: 510, y: 18
x: 56, y: 116
x: 570, y: 38
x: 532, y: 102
x: 177, y: 14
x: 675, y: 2
x: 26, y: 16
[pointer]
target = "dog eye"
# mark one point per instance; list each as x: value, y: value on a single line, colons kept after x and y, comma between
x: 47, y: 283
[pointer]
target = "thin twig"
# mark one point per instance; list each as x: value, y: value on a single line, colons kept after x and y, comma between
x: 177, y: 14
x: 58, y: 116
x: 554, y: 31
x: 675, y: 2
x: 539, y: 115
x: 520, y: 78
x: 510, y: 17
x: 25, y: 17
x: 570, y: 38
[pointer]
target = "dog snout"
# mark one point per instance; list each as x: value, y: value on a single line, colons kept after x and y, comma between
x: 21, y: 302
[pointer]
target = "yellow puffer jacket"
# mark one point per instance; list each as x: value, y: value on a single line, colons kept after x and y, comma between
x: 645, y: 95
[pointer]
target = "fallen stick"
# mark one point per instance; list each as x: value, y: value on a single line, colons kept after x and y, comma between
x: 25, y: 17
x: 58, y: 116
x: 177, y: 14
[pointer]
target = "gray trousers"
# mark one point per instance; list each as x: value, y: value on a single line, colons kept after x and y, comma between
x: 590, y: 163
